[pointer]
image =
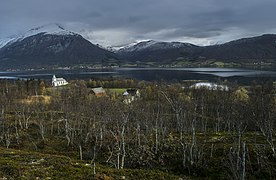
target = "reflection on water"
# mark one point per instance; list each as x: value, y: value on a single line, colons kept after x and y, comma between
x: 246, y: 73
x: 150, y: 74
x: 214, y: 69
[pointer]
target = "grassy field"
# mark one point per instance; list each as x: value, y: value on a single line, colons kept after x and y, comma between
x: 117, y: 90
x: 16, y: 164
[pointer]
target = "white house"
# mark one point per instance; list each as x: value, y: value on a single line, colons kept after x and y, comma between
x: 58, y: 81
x: 130, y: 95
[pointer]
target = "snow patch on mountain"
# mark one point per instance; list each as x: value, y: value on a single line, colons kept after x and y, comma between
x: 52, y: 29
x: 138, y: 46
x: 5, y: 41
x: 152, y: 45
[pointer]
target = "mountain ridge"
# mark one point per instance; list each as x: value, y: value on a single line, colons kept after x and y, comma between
x: 53, y: 45
x: 245, y: 49
x: 52, y: 28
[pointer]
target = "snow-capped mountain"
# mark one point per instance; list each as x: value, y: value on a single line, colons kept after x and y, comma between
x: 50, y: 45
x: 154, y: 51
x: 248, y: 50
x: 53, y: 29
x: 53, y: 45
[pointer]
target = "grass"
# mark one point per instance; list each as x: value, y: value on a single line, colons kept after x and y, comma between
x: 53, y: 159
x: 117, y: 90
x: 17, y: 164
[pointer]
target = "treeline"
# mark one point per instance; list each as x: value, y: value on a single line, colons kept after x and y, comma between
x: 115, y: 83
x: 196, y: 132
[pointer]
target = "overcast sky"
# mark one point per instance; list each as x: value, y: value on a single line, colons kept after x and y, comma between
x: 121, y: 22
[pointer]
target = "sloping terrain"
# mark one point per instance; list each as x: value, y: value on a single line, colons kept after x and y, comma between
x: 50, y: 46
x: 255, y: 49
x: 157, y: 51
x: 18, y: 164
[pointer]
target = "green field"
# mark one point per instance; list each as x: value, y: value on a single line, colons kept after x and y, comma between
x: 117, y: 90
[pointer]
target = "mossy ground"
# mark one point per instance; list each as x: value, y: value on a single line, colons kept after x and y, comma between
x: 17, y: 164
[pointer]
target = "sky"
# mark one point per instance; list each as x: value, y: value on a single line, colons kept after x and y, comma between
x: 121, y: 22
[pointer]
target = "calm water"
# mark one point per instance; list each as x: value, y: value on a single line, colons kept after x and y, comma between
x: 243, y: 76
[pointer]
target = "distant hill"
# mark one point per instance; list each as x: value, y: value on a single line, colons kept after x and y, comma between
x: 255, y: 49
x: 156, y: 51
x: 50, y: 45
x: 243, y: 50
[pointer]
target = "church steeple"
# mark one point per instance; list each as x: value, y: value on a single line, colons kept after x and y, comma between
x: 54, y: 78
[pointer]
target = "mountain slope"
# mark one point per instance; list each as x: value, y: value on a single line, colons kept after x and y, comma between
x: 156, y: 51
x: 255, y: 49
x: 243, y: 50
x: 54, y: 29
x: 50, y: 45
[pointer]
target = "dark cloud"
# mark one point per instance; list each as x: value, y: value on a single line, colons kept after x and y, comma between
x: 110, y: 22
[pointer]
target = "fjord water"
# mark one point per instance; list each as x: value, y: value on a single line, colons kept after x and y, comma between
x: 241, y: 76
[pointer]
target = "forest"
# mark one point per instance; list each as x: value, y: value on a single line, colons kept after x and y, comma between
x: 171, y: 130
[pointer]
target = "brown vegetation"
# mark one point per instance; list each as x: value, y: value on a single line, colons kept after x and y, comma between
x: 189, y: 132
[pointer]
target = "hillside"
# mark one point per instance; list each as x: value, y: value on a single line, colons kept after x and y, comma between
x: 261, y: 48
x: 50, y: 45
x: 163, y: 52
x: 167, y: 133
x: 246, y: 50
x: 22, y: 164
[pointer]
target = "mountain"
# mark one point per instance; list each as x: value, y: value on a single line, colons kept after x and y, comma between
x: 155, y: 51
x: 254, y: 49
x: 246, y: 50
x: 50, y: 45
x: 54, y: 46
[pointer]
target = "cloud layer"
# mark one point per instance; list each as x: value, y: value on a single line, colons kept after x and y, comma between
x: 116, y: 23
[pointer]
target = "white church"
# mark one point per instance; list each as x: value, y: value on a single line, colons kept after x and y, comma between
x: 58, y: 81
